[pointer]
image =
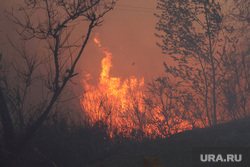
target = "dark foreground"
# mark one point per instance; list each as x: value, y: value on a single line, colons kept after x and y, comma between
x: 60, y: 146
x: 176, y: 151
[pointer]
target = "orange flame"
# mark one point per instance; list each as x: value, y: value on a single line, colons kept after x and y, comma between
x: 120, y: 105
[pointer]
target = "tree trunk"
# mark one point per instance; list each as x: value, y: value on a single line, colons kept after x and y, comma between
x: 212, y: 63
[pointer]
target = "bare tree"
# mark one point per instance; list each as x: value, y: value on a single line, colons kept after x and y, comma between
x: 53, y: 22
x: 203, y: 45
x: 238, y: 17
x: 235, y: 60
x: 235, y: 85
x: 172, y: 105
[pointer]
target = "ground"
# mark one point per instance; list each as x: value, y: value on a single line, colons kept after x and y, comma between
x: 176, y: 151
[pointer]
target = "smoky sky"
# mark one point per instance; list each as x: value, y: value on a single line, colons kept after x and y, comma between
x: 128, y: 33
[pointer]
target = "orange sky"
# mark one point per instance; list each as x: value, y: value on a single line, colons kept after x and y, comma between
x: 130, y: 37
x: 129, y: 34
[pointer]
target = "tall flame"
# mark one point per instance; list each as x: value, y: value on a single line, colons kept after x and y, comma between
x: 120, y: 105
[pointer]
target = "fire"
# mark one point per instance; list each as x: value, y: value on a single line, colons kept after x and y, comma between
x: 120, y: 105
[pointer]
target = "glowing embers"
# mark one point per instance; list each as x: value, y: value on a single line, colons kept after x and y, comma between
x: 120, y: 105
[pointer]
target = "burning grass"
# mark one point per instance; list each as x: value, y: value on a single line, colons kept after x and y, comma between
x: 120, y: 105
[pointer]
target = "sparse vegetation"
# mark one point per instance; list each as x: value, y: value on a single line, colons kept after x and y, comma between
x: 203, y: 100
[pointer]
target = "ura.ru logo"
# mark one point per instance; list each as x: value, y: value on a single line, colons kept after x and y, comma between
x: 220, y: 158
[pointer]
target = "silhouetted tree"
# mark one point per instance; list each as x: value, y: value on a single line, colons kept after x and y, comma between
x: 194, y: 34
x: 169, y: 101
x: 238, y: 17
x: 53, y: 22
x: 236, y: 90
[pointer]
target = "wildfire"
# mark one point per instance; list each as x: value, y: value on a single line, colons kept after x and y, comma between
x: 120, y: 105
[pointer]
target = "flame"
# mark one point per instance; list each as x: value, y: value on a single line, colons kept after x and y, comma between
x: 120, y: 105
